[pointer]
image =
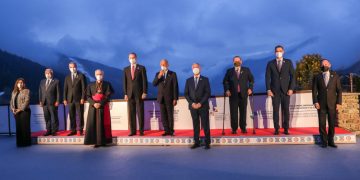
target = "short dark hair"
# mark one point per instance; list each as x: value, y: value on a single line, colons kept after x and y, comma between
x: 74, y: 63
x: 279, y: 46
x: 324, y: 59
x: 236, y: 57
x: 133, y: 54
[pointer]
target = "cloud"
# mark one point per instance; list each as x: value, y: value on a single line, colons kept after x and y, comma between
x: 209, y: 32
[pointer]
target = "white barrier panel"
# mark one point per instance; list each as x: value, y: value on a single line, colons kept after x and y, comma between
x: 37, y: 120
x: 302, y: 111
x: 302, y: 114
x: 4, y: 122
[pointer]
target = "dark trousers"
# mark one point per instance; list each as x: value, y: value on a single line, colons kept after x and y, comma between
x: 23, y: 132
x: 51, y: 118
x: 167, y: 116
x: 331, y: 116
x: 203, y: 115
x: 136, y: 106
x: 238, y: 103
x: 284, y: 100
x: 76, y: 108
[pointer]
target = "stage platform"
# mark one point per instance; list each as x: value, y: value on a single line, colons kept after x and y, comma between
x: 184, y: 137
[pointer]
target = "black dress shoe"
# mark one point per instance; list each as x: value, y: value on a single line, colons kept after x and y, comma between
x: 207, y: 146
x: 332, y: 145
x: 286, y: 132
x: 96, y: 146
x: 233, y: 132
x: 132, y: 134
x: 324, y: 145
x: 54, y: 134
x: 194, y: 146
x: 244, y: 131
x: 165, y: 134
x: 81, y: 132
x: 72, y: 133
x: 276, y: 132
x: 47, y: 134
x: 141, y: 133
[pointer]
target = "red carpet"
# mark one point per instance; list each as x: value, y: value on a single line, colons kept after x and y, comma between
x: 216, y: 132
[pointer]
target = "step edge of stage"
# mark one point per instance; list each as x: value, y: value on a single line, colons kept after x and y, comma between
x: 188, y: 140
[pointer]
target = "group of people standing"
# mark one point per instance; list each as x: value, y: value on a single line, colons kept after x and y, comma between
x: 238, y: 84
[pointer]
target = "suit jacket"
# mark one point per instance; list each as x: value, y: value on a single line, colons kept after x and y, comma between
x: 74, y: 91
x: 23, y: 100
x: 280, y: 81
x: 51, y: 94
x: 327, y: 96
x: 137, y: 86
x: 200, y: 94
x: 168, y: 88
x: 246, y: 81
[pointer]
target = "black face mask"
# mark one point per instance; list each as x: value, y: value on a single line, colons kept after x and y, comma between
x: 237, y: 64
x: 325, y: 68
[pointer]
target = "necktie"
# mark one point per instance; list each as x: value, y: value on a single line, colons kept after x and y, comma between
x: 279, y: 65
x: 132, y: 72
x: 47, y: 84
x: 238, y: 76
x: 196, y: 82
x: 164, y: 78
x: 73, y: 77
x: 326, y: 78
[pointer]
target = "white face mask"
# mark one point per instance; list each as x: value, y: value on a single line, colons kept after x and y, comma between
x: 73, y: 70
x: 99, y: 77
x: 48, y: 76
x: 196, y: 71
x: 163, y: 68
x: 132, y: 61
x: 279, y: 54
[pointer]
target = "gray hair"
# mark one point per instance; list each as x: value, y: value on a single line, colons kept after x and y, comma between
x: 102, y: 72
x: 49, y: 70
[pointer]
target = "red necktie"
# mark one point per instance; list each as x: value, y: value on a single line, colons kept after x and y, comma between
x: 132, y: 72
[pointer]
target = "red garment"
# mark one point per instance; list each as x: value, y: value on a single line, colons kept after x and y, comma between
x: 107, y: 118
x: 132, y: 72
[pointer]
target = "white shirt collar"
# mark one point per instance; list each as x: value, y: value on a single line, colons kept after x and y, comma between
x: 280, y: 59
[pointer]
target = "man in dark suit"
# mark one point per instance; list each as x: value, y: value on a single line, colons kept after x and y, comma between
x: 280, y: 83
x: 74, y: 95
x: 327, y: 97
x: 49, y: 97
x: 135, y: 90
x: 168, y: 94
x: 197, y: 93
x: 238, y: 84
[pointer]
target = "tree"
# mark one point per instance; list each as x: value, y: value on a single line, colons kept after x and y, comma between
x: 306, y: 68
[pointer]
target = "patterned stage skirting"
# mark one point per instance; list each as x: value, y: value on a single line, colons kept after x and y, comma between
x: 184, y: 137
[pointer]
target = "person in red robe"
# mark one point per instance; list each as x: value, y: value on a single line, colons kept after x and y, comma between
x: 98, y: 127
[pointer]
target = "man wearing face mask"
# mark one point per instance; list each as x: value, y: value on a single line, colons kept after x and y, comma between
x: 238, y: 84
x: 49, y: 97
x: 327, y: 97
x: 135, y: 90
x: 280, y: 83
x: 168, y: 94
x: 197, y: 93
x: 74, y: 96
x: 98, y: 126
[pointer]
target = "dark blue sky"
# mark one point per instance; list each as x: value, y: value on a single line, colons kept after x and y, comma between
x: 183, y: 31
